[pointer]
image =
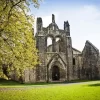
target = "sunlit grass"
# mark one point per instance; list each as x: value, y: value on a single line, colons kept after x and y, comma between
x: 84, y: 91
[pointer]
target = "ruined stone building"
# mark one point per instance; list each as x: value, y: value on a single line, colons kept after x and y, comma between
x: 60, y: 61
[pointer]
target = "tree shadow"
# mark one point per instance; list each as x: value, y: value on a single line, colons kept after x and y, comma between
x: 8, y: 82
x: 4, y: 82
x: 94, y: 85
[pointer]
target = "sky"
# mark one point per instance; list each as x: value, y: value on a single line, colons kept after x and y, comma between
x: 83, y: 17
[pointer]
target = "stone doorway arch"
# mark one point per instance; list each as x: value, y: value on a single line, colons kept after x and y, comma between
x: 55, y: 73
x: 56, y: 66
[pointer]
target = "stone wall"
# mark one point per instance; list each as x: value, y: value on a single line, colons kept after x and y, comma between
x: 90, y: 67
x: 47, y: 55
x: 77, y: 65
x: 29, y: 75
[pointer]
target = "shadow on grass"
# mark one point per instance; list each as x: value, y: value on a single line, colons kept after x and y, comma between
x: 94, y: 85
x: 4, y: 82
x: 8, y: 82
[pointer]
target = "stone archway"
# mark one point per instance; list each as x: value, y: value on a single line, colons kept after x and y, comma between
x: 55, y: 73
x: 56, y: 69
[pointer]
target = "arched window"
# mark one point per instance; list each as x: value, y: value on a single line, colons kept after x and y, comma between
x: 58, y: 43
x: 49, y: 44
x: 58, y: 39
x: 53, y: 27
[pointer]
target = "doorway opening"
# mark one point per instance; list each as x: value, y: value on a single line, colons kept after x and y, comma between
x: 55, y: 73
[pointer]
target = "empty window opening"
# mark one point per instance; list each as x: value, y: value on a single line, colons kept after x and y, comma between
x: 53, y: 27
x: 58, y: 44
x: 73, y: 61
x: 49, y: 44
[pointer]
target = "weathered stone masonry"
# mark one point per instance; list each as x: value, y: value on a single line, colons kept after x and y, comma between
x: 60, y: 61
x: 55, y: 64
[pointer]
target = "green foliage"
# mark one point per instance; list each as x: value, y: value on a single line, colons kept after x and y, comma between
x: 52, y: 92
x: 17, y: 43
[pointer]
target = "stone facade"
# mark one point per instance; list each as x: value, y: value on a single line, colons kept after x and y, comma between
x: 91, y: 62
x: 56, y: 62
x: 60, y: 61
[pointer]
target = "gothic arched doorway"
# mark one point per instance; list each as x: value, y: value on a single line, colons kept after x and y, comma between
x: 55, y: 73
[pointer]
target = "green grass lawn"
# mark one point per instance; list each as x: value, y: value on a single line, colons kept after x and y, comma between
x: 77, y: 91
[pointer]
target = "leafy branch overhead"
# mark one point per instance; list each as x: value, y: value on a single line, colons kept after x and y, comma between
x: 17, y: 43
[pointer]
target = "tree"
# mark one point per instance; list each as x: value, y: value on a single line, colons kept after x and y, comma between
x: 17, y: 42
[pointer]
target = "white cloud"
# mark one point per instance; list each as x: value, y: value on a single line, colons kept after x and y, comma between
x: 84, y: 22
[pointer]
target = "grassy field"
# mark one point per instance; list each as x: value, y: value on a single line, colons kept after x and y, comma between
x: 73, y: 91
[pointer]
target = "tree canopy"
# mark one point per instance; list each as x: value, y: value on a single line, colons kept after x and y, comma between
x: 17, y: 42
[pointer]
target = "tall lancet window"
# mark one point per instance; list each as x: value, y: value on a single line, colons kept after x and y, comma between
x: 49, y: 44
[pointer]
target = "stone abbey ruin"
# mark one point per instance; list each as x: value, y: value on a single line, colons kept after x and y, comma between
x: 60, y: 61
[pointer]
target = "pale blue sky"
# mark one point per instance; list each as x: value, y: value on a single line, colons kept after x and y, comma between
x: 83, y: 16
